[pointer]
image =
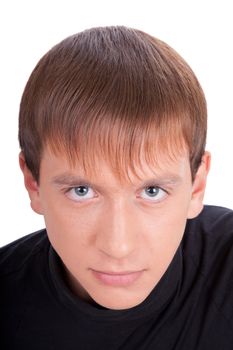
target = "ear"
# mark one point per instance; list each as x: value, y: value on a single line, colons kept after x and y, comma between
x: 198, y: 187
x: 31, y: 185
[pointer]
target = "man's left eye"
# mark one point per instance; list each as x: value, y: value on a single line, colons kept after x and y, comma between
x: 153, y: 193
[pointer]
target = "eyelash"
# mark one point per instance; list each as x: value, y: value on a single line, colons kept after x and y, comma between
x: 164, y: 195
x: 68, y: 192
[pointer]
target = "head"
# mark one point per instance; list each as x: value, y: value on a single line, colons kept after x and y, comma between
x: 112, y: 129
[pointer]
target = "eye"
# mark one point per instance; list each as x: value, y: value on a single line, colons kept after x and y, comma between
x: 80, y: 193
x: 153, y: 193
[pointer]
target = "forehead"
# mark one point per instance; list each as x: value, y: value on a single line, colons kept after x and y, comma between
x: 162, y: 169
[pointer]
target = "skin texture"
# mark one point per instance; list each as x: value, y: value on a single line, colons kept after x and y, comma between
x: 116, y: 228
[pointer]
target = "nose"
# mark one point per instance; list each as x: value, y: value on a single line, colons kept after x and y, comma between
x: 117, y: 236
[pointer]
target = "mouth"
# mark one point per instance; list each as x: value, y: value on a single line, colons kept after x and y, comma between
x: 117, y: 279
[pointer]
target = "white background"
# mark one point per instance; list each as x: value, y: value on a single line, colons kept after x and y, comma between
x: 201, y: 31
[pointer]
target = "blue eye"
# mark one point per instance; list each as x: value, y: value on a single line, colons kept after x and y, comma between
x: 81, y: 190
x: 153, y: 193
x: 80, y: 193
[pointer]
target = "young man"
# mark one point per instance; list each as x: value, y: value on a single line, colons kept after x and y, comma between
x: 112, y: 130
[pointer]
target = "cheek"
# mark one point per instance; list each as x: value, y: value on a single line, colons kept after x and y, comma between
x: 70, y: 235
x: 68, y: 227
x: 164, y: 229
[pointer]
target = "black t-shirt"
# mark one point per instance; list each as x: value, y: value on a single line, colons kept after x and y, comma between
x: 191, y: 308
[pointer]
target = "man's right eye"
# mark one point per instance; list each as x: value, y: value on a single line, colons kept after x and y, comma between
x: 80, y: 193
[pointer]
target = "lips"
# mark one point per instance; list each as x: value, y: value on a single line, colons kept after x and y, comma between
x: 117, y: 279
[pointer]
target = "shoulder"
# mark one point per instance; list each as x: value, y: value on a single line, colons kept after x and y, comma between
x: 208, y: 240
x: 208, y: 245
x: 16, y: 254
x: 24, y: 279
x: 214, y: 217
x: 214, y: 224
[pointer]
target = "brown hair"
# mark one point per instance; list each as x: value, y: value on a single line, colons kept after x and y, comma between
x: 115, y: 93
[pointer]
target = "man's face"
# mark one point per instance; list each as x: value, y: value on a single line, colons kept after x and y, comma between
x: 116, y: 240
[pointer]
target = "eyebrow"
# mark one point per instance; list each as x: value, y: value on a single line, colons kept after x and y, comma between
x: 163, y: 181
x: 71, y: 180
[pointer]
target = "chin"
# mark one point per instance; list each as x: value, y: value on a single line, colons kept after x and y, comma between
x: 113, y: 301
